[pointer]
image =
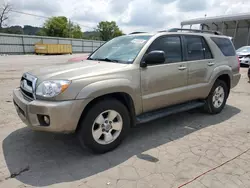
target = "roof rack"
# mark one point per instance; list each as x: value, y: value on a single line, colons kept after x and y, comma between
x: 136, y: 32
x: 194, y: 31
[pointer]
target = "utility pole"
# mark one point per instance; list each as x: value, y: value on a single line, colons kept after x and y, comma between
x: 69, y: 29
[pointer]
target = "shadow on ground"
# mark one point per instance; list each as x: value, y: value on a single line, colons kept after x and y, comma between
x: 45, y: 159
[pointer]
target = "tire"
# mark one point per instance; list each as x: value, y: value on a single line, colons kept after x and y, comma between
x: 94, y: 120
x: 213, y: 107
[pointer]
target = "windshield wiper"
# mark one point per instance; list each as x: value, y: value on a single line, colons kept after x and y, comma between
x: 106, y: 59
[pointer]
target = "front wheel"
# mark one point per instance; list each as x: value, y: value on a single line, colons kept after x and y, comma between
x: 217, y: 98
x: 105, y: 125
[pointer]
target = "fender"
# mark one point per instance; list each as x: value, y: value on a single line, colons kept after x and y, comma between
x: 109, y: 86
x: 218, y: 71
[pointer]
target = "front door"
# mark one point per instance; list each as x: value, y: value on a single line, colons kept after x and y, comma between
x: 165, y: 84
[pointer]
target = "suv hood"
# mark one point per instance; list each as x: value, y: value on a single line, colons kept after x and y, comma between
x: 78, y: 70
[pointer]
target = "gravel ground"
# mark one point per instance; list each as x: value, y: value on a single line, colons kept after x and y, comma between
x: 190, y: 149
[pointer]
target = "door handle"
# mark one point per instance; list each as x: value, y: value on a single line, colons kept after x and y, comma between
x: 182, y: 67
x: 210, y: 63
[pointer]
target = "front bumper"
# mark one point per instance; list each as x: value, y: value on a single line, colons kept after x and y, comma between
x: 64, y: 115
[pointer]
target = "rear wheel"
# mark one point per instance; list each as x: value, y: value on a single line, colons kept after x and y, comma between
x: 105, y: 125
x: 217, y: 98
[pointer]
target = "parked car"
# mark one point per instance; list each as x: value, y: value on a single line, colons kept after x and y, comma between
x: 249, y: 73
x: 244, y: 55
x: 131, y: 79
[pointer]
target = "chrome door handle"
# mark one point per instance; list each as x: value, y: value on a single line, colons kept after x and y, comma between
x: 210, y: 63
x: 182, y: 68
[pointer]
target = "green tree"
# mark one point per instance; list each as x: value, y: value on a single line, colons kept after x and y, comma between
x: 30, y: 30
x: 55, y: 27
x: 14, y: 30
x: 108, y: 30
x: 76, y: 32
x: 60, y: 27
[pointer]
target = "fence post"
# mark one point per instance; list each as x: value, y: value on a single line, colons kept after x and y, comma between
x: 23, y: 45
x: 82, y: 46
x: 71, y: 41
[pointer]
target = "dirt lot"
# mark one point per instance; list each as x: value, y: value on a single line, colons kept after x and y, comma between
x: 190, y: 149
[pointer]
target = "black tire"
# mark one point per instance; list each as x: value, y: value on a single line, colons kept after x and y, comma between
x: 85, y: 135
x: 209, y: 106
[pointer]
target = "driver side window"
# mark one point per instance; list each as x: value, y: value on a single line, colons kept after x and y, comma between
x: 171, y: 45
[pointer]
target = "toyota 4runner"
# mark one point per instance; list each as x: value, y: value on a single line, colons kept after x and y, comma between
x: 130, y: 79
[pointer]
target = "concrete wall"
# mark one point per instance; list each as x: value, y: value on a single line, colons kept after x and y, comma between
x: 24, y: 44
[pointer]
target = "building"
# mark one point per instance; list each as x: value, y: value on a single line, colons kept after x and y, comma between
x: 236, y: 26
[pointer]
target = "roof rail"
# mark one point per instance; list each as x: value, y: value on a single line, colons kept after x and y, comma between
x: 136, y: 32
x: 195, y: 31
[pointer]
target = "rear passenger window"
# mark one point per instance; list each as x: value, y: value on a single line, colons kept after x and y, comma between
x: 207, y: 51
x: 171, y: 45
x: 225, y: 46
x: 197, y: 48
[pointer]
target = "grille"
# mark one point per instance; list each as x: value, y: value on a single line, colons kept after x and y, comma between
x: 28, y: 94
x: 27, y: 85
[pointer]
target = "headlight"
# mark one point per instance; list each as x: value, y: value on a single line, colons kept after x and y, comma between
x: 52, y: 88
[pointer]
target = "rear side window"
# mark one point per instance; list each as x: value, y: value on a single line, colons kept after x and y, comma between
x: 225, y: 46
x: 197, y: 48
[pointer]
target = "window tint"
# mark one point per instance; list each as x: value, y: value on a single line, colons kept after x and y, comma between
x: 207, y: 51
x: 197, y: 48
x: 171, y: 45
x: 194, y: 48
x: 225, y: 46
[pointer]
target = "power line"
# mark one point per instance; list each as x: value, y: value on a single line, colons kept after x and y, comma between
x: 25, y: 13
x: 45, y: 17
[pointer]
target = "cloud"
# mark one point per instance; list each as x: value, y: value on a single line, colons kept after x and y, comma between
x: 91, y: 11
x: 119, y: 6
x: 130, y: 15
x: 192, y: 5
x: 165, y: 1
x: 145, y: 13
x: 41, y: 6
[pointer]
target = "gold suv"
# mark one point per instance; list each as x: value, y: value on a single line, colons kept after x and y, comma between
x: 130, y: 79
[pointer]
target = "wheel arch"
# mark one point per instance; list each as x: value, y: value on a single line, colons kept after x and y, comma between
x: 123, y: 97
x: 223, y: 73
x: 227, y: 80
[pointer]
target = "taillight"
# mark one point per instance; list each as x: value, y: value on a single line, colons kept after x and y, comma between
x: 238, y: 63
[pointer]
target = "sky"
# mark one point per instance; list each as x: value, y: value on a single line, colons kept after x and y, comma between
x: 130, y: 15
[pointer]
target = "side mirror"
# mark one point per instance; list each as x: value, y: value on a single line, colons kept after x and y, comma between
x: 154, y: 57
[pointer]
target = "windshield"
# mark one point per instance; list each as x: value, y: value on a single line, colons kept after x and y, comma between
x: 245, y: 49
x: 122, y: 49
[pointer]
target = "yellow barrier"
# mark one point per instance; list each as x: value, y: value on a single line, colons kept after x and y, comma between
x: 53, y: 48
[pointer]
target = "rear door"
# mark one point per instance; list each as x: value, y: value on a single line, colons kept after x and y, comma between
x: 200, y: 63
